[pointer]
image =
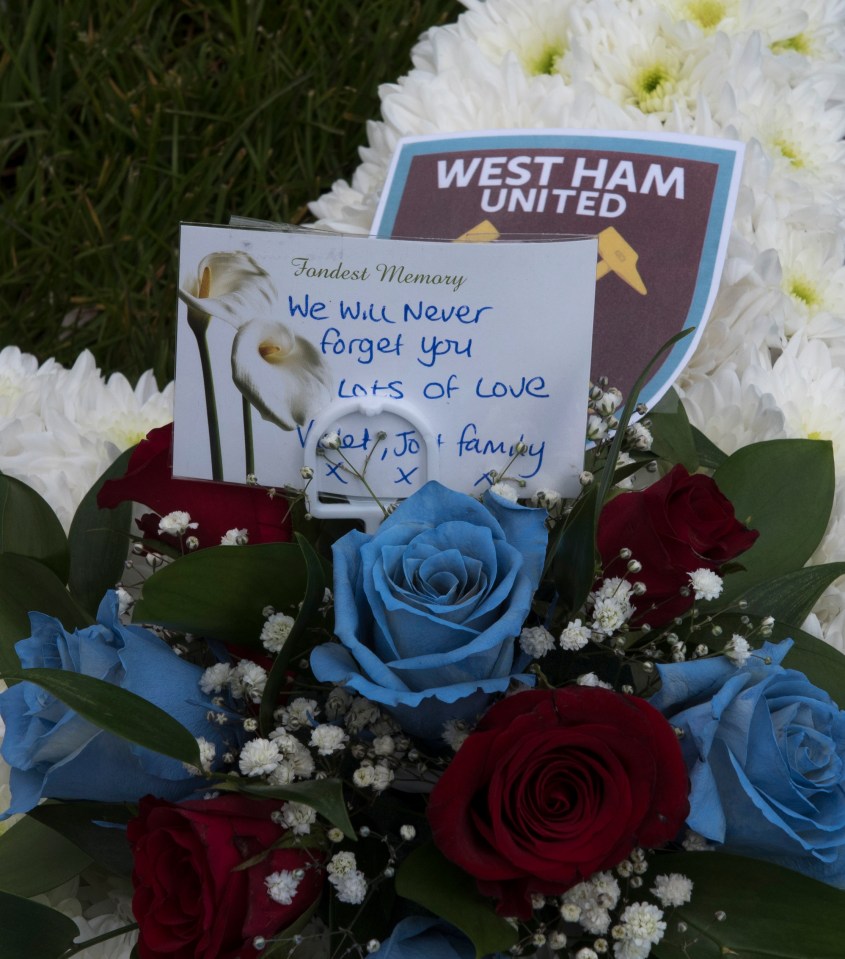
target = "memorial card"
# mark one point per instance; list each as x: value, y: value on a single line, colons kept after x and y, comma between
x: 419, y: 360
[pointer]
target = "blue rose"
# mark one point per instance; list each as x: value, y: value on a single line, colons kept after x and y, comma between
x: 420, y: 937
x: 428, y: 608
x: 53, y: 752
x: 765, y: 750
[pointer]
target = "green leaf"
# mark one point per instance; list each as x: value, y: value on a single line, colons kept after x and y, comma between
x: 709, y: 455
x: 30, y: 929
x: 297, y: 642
x: 426, y: 877
x: 791, y: 597
x: 27, y: 585
x: 77, y: 822
x: 118, y: 711
x: 673, y: 440
x: 823, y: 665
x: 98, y: 540
x: 770, y: 912
x: 221, y: 592
x: 574, y: 564
x: 784, y: 490
x: 34, y: 859
x: 324, y: 795
x: 29, y: 527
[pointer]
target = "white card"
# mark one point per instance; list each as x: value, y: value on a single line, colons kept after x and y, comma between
x: 456, y: 352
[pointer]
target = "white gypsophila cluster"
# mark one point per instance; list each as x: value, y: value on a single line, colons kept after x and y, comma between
x: 259, y: 757
x: 349, y: 882
x: 298, y: 713
x: 766, y: 73
x: 235, y: 537
x: 176, y: 523
x: 642, y: 926
x: 275, y: 631
x: 611, y: 606
x: 61, y: 428
x: 575, y: 636
x: 282, y: 886
x: 455, y: 732
x: 706, y: 584
x: 295, y: 762
x: 299, y: 818
x: 672, y: 890
x: 328, y: 739
x: 590, y: 903
x: 536, y: 641
x: 590, y: 679
x: 738, y: 650
x: 248, y: 680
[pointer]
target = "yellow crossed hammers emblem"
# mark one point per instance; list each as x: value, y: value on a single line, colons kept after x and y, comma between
x: 616, y: 255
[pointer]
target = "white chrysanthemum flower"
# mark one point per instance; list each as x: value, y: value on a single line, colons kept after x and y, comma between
x: 827, y: 621
x: 729, y: 409
x: 60, y: 429
x: 275, y: 631
x: 738, y: 650
x: 799, y: 131
x: 706, y: 584
x: 259, y: 757
x: 282, y: 886
x: 176, y: 523
x: 575, y: 636
x: 535, y: 641
x: 808, y: 387
x: 328, y: 739
x: 672, y: 890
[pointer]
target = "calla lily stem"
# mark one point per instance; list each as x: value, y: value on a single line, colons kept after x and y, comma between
x: 200, y: 330
x: 249, y: 448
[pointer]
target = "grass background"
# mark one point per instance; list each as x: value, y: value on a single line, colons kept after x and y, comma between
x: 118, y: 120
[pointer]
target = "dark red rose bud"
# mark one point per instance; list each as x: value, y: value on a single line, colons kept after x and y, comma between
x: 191, y: 900
x: 678, y: 525
x: 555, y: 785
x: 214, y: 507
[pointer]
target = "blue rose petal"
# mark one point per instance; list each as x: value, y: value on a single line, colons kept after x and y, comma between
x: 765, y: 749
x: 55, y: 753
x: 429, y: 608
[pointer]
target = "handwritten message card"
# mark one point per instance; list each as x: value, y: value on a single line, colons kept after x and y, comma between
x: 428, y: 360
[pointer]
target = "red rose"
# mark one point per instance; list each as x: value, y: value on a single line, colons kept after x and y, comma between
x: 190, y: 900
x: 215, y: 507
x: 555, y: 785
x: 678, y: 525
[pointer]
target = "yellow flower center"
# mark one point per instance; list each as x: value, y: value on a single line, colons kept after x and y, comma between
x: 799, y: 43
x: 205, y: 284
x: 815, y: 435
x: 790, y: 151
x: 277, y: 348
x: 708, y: 14
x: 545, y: 60
x: 651, y: 87
x: 802, y: 289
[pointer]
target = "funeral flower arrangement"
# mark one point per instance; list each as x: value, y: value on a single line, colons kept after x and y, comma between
x: 587, y: 727
x: 605, y: 726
